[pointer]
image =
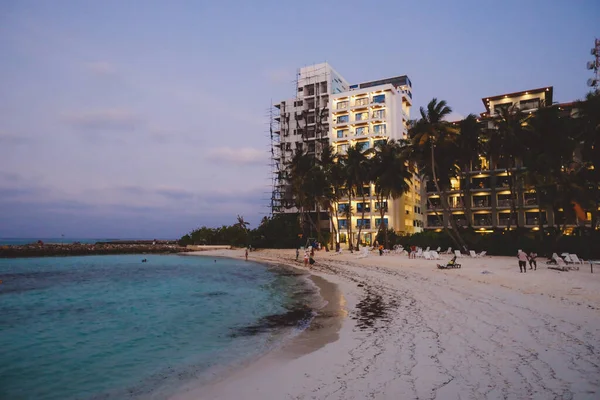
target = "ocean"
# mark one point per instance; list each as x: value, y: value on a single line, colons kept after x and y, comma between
x: 112, y: 327
x: 63, y: 240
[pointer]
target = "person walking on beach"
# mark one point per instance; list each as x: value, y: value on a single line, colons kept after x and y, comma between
x: 297, y: 253
x: 532, y: 262
x: 306, y: 258
x: 522, y: 256
x: 246, y: 254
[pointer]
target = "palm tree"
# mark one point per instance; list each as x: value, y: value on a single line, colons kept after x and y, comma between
x: 356, y: 174
x: 507, y: 140
x: 588, y: 136
x: 427, y: 134
x: 550, y: 148
x: 391, y: 175
x: 300, y: 178
x: 468, y: 148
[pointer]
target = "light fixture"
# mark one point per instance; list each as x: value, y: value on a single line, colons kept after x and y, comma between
x: 547, y: 89
x: 526, y: 92
x: 505, y: 96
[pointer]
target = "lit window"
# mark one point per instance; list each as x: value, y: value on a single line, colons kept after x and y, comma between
x: 380, y: 98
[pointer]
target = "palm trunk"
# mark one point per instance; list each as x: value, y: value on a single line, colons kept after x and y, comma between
x: 466, y: 198
x: 540, y: 214
x: 349, y: 220
x: 458, y: 239
x: 319, y: 237
x: 362, y: 218
x: 381, y: 222
x: 332, y: 212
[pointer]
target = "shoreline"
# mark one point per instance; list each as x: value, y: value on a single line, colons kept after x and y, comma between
x: 322, y: 330
x: 414, y: 331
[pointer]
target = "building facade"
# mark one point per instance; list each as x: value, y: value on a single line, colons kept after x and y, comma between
x: 490, y: 197
x: 368, y: 113
x: 328, y: 111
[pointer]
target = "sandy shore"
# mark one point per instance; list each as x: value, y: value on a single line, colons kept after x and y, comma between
x: 484, y: 331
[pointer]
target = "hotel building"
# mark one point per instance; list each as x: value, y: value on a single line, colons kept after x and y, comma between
x: 490, y: 195
x: 368, y: 113
x: 328, y: 111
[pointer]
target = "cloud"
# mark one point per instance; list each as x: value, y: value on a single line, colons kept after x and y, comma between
x: 101, y: 68
x: 106, y: 119
x: 239, y: 156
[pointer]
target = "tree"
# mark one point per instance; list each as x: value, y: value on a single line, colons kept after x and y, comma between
x: 468, y: 148
x: 356, y: 171
x: 391, y: 175
x: 507, y: 140
x: 300, y: 178
x: 427, y: 134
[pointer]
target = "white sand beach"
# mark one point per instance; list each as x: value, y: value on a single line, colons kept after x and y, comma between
x: 412, y: 331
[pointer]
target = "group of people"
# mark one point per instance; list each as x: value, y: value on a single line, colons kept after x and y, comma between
x: 524, y: 258
x: 309, y: 255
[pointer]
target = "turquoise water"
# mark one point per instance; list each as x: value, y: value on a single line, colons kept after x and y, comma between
x: 99, y: 327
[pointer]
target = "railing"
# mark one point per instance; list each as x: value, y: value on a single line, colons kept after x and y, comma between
x: 530, y: 202
x: 504, y: 203
x: 362, y: 132
x: 341, y: 106
x: 481, y: 203
x: 433, y: 206
x: 363, y: 227
x: 435, y: 223
x: 361, y: 102
x: 505, y: 222
x: 361, y: 117
x: 532, y: 221
x: 482, y: 222
x: 379, y: 115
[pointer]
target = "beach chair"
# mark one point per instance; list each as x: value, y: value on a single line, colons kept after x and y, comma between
x: 575, y: 259
x: 419, y: 253
x: 427, y: 255
x: 457, y: 253
x: 567, y: 258
x: 434, y: 255
x: 451, y: 264
x: 438, y: 249
x: 449, y: 251
x: 427, y: 249
x: 473, y: 254
x: 482, y: 254
x: 561, y: 265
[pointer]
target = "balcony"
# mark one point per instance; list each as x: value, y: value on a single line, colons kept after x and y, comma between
x: 367, y: 226
x: 362, y: 102
x: 529, y: 201
x: 482, y: 221
x: 505, y: 222
x: 505, y: 203
x: 378, y: 115
x: 434, y: 224
x: 480, y: 184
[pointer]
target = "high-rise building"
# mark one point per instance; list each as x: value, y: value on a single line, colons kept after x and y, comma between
x: 328, y: 111
x: 368, y: 113
x: 302, y: 123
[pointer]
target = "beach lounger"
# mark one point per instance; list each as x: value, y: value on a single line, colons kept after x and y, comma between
x: 419, y: 253
x: 473, y: 254
x: 450, y: 265
x: 482, y: 254
x: 457, y: 253
x: 567, y: 258
x: 427, y: 249
x: 438, y: 249
x: 575, y: 259
x: 561, y: 265
x: 364, y: 252
x: 427, y: 255
x: 434, y: 255
x: 449, y: 251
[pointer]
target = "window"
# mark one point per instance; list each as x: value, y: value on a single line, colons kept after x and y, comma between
x: 342, y: 224
x: 298, y: 103
x: 529, y: 104
x: 366, y: 190
x: 379, y: 129
x: 300, y: 89
x: 378, y: 205
x: 299, y: 146
x: 379, y: 114
x: 380, y: 98
x: 342, y: 208
x: 342, y: 133
x: 365, y: 223
x: 361, y: 116
x: 379, y: 142
x: 362, y: 146
x: 342, y: 149
x: 362, y: 101
x: 342, y: 118
x: 288, y: 146
x: 361, y: 206
x: 363, y: 130
x: 498, y: 108
x: 341, y: 105
x: 378, y: 222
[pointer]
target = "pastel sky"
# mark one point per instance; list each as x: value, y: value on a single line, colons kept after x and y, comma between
x: 149, y: 118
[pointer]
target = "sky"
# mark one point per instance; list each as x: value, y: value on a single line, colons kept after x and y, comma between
x: 143, y: 119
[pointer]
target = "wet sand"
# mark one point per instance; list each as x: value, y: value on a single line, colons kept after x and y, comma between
x: 411, y: 331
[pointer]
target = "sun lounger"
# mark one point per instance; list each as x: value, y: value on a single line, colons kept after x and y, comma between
x: 449, y: 251
x: 364, y: 252
x: 434, y: 255
x: 448, y: 266
x: 482, y: 254
x: 561, y: 265
x: 427, y: 255
x: 473, y: 254
x: 457, y: 253
x: 575, y: 259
